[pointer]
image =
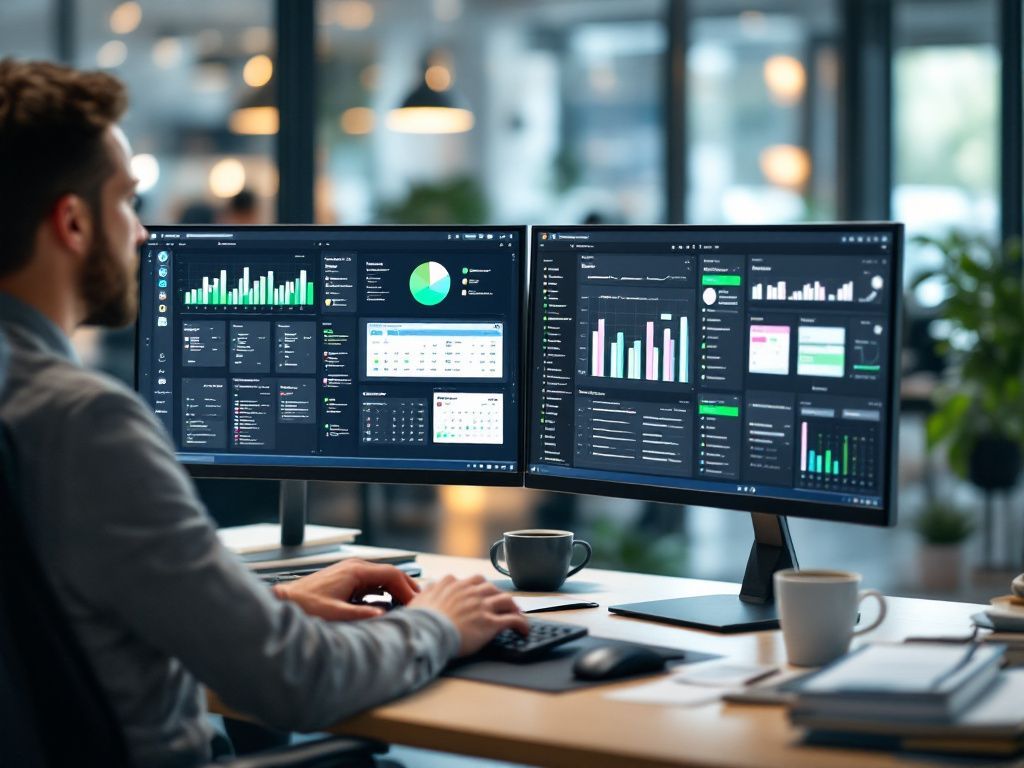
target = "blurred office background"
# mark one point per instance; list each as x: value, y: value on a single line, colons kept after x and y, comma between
x: 648, y: 111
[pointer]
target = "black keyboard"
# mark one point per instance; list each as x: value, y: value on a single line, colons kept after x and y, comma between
x: 509, y: 645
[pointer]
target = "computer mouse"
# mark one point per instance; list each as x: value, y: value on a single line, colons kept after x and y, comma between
x: 608, y: 662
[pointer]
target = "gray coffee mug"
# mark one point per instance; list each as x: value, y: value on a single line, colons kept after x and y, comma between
x: 538, y: 559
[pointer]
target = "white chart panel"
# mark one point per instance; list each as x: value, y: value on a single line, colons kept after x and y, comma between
x: 434, y: 350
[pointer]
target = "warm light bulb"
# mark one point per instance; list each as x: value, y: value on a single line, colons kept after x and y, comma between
x: 227, y: 177
x: 430, y: 120
x: 358, y: 120
x: 438, y: 77
x: 786, y: 165
x: 254, y: 121
x: 258, y: 70
x: 786, y: 79
x: 125, y: 18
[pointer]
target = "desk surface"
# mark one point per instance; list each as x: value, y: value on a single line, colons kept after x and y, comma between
x: 583, y: 728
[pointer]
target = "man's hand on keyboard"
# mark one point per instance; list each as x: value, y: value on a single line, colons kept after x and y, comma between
x: 477, y: 608
x: 328, y: 593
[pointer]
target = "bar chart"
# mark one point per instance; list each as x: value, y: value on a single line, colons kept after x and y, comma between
x: 810, y: 279
x: 839, y: 454
x: 251, y: 287
x: 636, y: 338
x: 812, y: 291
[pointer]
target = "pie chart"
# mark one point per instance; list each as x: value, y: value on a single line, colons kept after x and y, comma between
x: 429, y: 283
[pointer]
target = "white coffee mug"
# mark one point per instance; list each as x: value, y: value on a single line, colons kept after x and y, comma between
x: 817, y: 612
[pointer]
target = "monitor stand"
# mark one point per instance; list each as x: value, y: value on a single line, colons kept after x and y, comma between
x: 292, y: 501
x: 753, y: 609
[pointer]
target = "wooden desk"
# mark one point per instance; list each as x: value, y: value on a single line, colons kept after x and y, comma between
x: 584, y: 729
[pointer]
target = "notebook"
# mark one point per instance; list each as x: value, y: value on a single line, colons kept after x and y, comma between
x: 914, y: 681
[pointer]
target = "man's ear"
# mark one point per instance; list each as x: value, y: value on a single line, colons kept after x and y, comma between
x: 72, y: 222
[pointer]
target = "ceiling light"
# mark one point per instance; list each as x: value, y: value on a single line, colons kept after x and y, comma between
x: 786, y: 79
x: 254, y: 121
x: 438, y: 77
x: 111, y: 54
x: 430, y: 110
x: 358, y: 120
x: 258, y: 70
x: 126, y: 18
x: 227, y: 177
x: 786, y: 165
x: 256, y: 114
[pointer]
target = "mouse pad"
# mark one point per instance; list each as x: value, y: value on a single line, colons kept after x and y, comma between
x: 553, y: 673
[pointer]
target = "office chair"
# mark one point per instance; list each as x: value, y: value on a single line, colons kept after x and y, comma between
x: 53, y: 711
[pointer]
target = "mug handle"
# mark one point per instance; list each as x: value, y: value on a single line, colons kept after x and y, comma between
x: 580, y: 567
x: 494, y: 557
x: 881, y: 609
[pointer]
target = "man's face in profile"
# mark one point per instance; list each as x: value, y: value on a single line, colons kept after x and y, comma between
x: 108, y: 280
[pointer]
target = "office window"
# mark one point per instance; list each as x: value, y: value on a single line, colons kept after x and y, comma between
x: 563, y: 105
x: 201, y: 121
x: 945, y: 125
x: 762, y: 109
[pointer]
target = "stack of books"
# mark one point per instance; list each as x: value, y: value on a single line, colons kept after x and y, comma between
x: 931, y: 697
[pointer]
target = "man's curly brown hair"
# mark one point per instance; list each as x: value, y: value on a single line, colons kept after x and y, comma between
x: 52, y: 120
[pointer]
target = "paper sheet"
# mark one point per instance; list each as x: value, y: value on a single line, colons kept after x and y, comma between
x: 723, y: 673
x: 668, y: 691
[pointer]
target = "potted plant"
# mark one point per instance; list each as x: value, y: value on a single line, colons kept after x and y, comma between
x: 979, y: 412
x: 943, y: 529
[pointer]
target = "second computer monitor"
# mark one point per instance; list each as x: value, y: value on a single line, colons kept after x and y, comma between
x: 373, y: 353
x: 752, y: 368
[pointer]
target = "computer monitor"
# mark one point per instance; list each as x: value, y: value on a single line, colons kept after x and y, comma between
x: 752, y: 368
x: 386, y: 354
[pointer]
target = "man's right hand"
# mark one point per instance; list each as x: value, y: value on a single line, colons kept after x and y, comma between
x: 477, y: 608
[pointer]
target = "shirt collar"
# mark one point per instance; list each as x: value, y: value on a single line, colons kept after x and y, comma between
x: 17, y: 315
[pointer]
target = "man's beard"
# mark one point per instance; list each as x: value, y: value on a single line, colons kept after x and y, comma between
x: 109, y: 291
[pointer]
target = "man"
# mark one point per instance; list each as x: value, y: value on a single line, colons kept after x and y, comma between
x: 156, y: 602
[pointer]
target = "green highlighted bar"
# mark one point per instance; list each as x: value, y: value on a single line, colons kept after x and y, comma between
x: 846, y: 452
x: 867, y: 367
x: 720, y: 279
x: 718, y: 410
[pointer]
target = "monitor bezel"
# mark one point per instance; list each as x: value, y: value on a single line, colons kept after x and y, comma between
x: 366, y: 474
x: 883, y: 516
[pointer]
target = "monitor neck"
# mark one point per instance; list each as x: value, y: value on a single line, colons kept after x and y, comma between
x: 292, y: 500
x: 772, y: 551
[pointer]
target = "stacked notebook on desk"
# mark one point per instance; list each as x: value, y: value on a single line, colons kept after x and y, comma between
x: 933, y: 697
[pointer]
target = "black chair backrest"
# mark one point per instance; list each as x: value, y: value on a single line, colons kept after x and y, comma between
x: 52, y: 709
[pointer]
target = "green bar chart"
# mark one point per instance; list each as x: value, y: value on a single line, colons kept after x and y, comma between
x: 251, y: 289
x: 837, y: 454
